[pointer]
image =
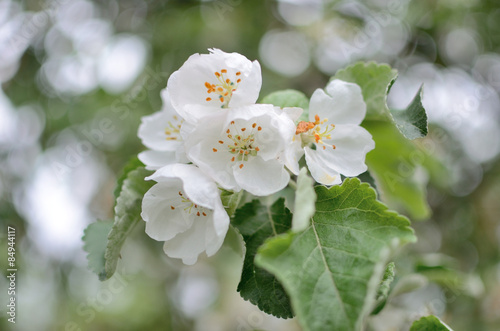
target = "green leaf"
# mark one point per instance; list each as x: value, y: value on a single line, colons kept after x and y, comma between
x: 394, y: 163
x: 230, y: 200
x: 257, y: 222
x: 429, y: 323
x: 332, y: 270
x: 289, y: 98
x: 384, y: 288
x: 127, y: 215
x: 132, y: 164
x: 95, y: 239
x: 412, y: 121
x: 375, y: 81
x: 305, y: 198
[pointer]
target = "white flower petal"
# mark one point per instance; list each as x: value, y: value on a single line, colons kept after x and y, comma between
x: 249, y: 88
x: 185, y: 210
x: 292, y: 112
x: 343, y: 104
x: 261, y: 177
x: 223, y: 142
x: 180, y: 155
x: 293, y: 153
x: 319, y: 172
x: 163, y: 223
x: 199, y: 187
x: 161, y: 130
x: 352, y: 143
x: 189, y: 244
x: 216, y: 229
x: 200, y: 147
x: 157, y: 159
x: 273, y: 128
x: 221, y: 221
x: 188, y: 89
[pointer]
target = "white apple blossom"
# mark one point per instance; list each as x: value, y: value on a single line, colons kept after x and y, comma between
x: 184, y: 210
x: 242, y: 148
x: 340, y: 143
x: 161, y: 133
x: 207, y: 82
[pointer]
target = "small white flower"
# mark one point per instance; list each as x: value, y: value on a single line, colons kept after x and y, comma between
x: 340, y: 144
x: 161, y: 133
x: 184, y: 210
x: 241, y: 148
x: 207, y: 82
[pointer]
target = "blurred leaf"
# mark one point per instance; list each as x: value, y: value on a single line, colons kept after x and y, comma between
x: 409, y: 283
x: 375, y: 81
x: 289, y: 98
x: 412, y: 121
x: 393, y: 163
x: 127, y: 215
x: 305, y: 198
x: 331, y: 271
x: 457, y: 283
x: 384, y: 288
x: 230, y: 200
x: 257, y: 222
x: 429, y: 323
x: 95, y: 239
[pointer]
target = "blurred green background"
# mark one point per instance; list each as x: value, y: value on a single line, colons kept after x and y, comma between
x: 76, y: 77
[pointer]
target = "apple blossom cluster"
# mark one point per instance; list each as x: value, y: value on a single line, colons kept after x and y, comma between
x: 211, y: 134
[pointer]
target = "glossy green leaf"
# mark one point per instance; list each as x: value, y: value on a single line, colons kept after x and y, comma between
x: 95, y: 239
x: 375, y: 81
x: 332, y: 270
x: 412, y: 121
x: 305, y: 198
x: 429, y: 323
x: 257, y: 222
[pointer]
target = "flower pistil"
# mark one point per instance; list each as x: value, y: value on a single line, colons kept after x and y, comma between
x: 224, y: 90
x: 315, y: 132
x: 188, y: 206
x: 239, y: 143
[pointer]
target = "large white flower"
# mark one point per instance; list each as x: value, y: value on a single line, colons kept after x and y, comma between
x: 161, y: 133
x: 241, y: 148
x: 333, y: 141
x: 184, y: 210
x: 207, y: 82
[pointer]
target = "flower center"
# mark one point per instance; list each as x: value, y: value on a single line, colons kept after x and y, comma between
x: 223, y: 91
x: 240, y: 143
x: 173, y: 130
x: 315, y: 132
x: 188, y: 206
